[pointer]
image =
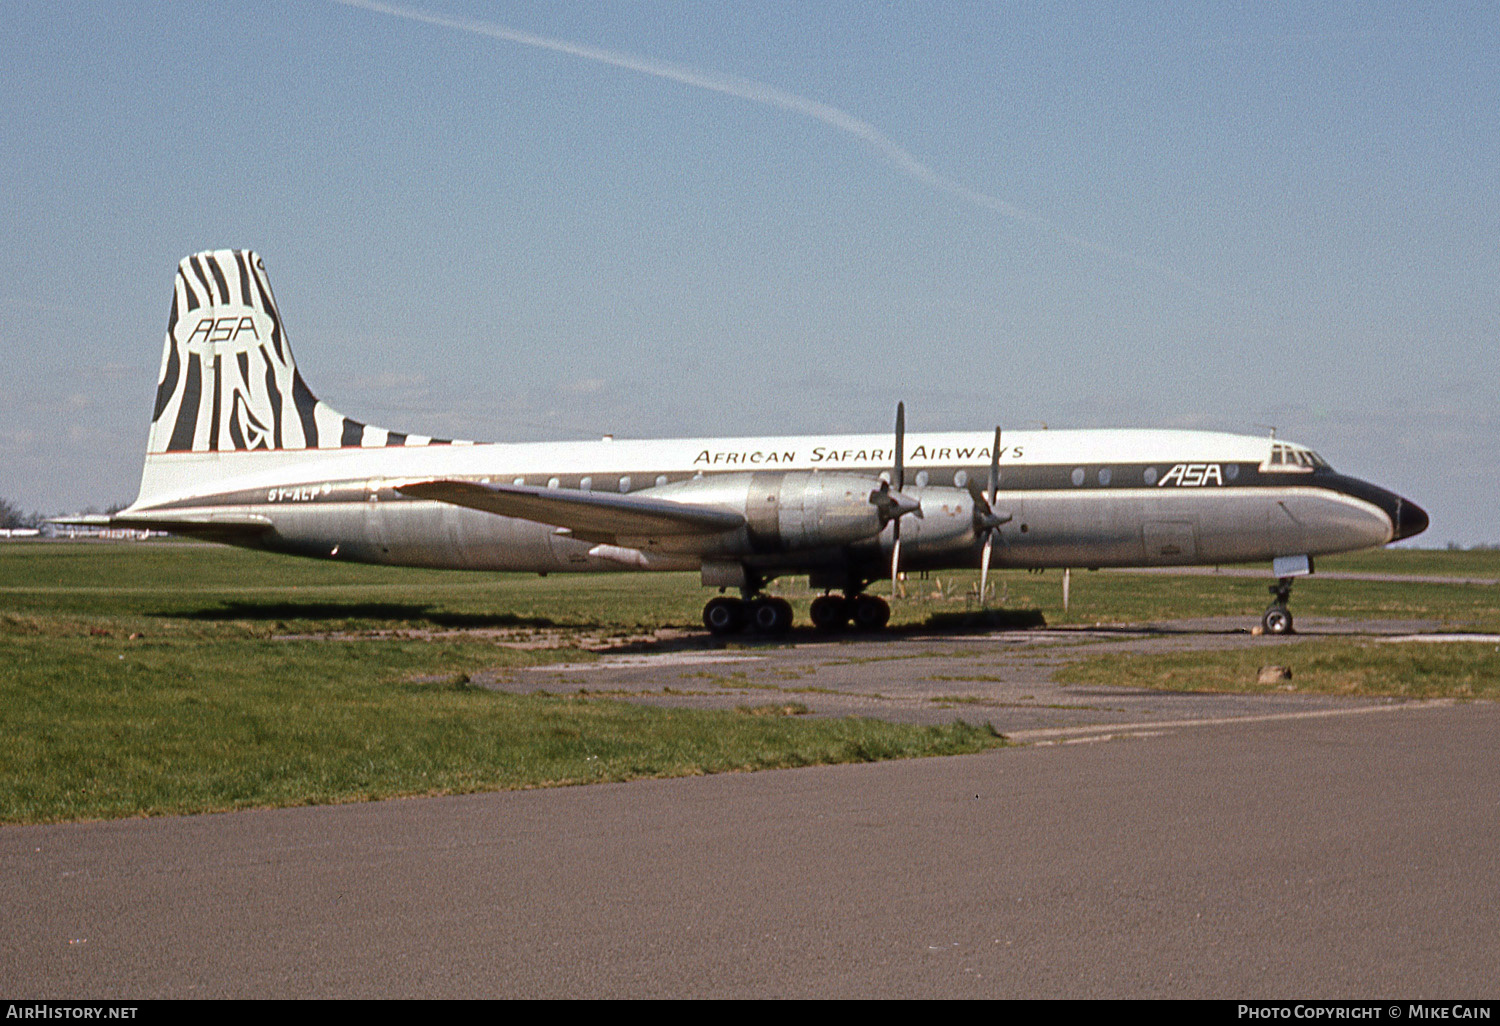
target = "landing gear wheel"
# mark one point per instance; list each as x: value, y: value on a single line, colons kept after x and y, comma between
x: 1278, y: 620
x: 724, y: 615
x: 769, y: 615
x: 871, y: 613
x: 830, y: 613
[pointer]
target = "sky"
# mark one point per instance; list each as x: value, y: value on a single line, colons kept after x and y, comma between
x: 526, y: 221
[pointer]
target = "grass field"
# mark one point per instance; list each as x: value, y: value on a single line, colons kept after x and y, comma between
x: 143, y: 679
x: 1345, y: 666
x: 152, y: 678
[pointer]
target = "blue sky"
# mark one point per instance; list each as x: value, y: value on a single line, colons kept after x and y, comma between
x: 688, y: 218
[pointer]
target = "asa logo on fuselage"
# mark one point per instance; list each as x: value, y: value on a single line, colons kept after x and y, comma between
x: 1193, y: 475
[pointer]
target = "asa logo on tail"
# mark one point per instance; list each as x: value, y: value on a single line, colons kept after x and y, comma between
x: 225, y: 329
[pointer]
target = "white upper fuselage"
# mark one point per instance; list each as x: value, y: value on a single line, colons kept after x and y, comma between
x: 180, y: 476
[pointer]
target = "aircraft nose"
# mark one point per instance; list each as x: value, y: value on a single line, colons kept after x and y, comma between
x: 1409, y: 519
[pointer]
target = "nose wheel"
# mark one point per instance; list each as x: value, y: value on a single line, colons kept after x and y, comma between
x: 1278, y: 618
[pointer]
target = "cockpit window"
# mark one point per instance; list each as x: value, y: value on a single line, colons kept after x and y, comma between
x: 1295, y: 458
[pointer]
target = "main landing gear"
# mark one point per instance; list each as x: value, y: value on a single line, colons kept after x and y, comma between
x: 1278, y: 618
x: 835, y: 612
x: 771, y: 616
x: 764, y: 614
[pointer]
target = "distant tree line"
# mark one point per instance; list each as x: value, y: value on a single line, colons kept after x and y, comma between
x: 11, y: 516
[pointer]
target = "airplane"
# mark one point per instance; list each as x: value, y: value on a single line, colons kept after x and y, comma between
x: 240, y: 451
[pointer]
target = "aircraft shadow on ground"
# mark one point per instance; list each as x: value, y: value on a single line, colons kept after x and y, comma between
x: 395, y: 612
x: 983, y: 620
x: 406, y: 614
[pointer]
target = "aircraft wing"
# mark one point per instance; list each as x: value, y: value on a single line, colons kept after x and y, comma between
x: 591, y: 516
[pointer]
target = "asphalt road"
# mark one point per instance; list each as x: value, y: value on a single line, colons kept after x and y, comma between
x: 1169, y: 847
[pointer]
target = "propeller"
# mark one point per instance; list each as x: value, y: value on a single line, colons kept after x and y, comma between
x: 988, y: 522
x: 892, y: 502
x: 898, y: 481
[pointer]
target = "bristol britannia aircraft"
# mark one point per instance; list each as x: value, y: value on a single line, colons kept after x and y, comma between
x: 241, y: 451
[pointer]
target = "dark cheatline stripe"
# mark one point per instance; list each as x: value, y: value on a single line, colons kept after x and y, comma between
x: 243, y: 359
x: 213, y: 423
x: 395, y: 438
x: 213, y: 265
x: 353, y: 432
x: 187, y: 413
x: 187, y: 289
x: 304, y: 400
x: 239, y: 258
x: 174, y: 365
x: 441, y: 441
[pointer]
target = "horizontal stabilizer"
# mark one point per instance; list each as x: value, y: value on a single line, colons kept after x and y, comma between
x: 196, y: 523
x: 592, y: 516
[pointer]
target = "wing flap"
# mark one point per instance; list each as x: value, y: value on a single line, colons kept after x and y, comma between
x: 592, y: 516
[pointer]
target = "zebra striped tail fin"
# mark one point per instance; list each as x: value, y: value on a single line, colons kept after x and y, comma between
x: 228, y: 382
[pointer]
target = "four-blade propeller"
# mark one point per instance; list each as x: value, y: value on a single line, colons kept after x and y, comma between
x: 891, y: 501
x: 987, y: 521
x: 893, y: 504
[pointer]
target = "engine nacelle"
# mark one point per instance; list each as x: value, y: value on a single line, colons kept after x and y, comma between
x: 787, y: 510
x: 946, y: 525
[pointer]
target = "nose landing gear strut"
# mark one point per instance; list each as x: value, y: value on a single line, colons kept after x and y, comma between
x: 1278, y: 618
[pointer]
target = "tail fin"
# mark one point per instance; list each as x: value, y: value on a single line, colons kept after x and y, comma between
x: 228, y: 382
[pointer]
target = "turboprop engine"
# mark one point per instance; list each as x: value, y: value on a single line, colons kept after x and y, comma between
x: 795, y: 510
x: 949, y: 522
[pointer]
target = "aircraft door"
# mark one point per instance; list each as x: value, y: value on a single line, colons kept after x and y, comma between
x: 1170, y: 541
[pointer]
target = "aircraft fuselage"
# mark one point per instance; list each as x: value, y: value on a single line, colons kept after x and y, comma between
x: 1075, y: 498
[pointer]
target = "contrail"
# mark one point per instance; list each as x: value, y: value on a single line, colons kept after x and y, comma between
x: 771, y: 96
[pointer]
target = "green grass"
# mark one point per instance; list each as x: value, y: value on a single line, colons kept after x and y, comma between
x: 1444, y: 562
x: 1338, y: 667
x: 148, y: 583
x: 205, y: 709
